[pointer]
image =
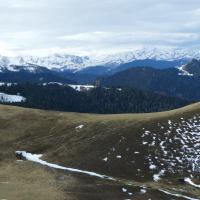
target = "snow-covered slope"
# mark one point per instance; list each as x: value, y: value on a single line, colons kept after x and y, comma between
x: 6, y: 98
x: 154, y: 53
x: 184, y: 72
x: 55, y: 62
x: 190, y: 69
x: 61, y: 62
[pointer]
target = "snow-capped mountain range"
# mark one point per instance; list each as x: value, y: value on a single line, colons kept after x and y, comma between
x: 61, y: 62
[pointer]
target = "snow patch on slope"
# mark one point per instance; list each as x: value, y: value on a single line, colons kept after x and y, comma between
x: 82, y: 87
x: 184, y: 72
x: 189, y: 181
x: 177, y: 195
x: 177, y: 147
x: 37, y: 159
x: 7, y: 98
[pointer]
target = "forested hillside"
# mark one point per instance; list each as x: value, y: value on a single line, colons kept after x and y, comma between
x: 98, y: 100
x: 183, y: 82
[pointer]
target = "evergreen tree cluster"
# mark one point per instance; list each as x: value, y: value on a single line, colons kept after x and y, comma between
x: 98, y: 100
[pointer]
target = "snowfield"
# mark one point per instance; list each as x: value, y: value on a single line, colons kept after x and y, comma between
x: 7, y: 98
x: 61, y: 62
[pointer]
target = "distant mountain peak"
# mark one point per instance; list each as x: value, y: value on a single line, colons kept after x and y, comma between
x: 62, y: 62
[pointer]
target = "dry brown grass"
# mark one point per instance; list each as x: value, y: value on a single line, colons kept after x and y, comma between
x: 25, y: 181
x: 54, y: 135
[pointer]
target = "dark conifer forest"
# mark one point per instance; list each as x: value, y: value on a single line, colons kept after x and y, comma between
x: 98, y: 100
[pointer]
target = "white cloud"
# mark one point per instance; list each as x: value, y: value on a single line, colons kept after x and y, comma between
x: 4, y: 49
x: 94, y: 26
x: 24, y: 4
x: 130, y: 38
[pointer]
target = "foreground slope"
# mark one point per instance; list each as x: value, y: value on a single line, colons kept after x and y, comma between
x: 148, y: 155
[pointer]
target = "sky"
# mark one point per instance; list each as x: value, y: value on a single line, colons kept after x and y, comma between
x: 84, y: 27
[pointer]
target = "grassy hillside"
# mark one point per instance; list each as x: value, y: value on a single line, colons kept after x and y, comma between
x: 118, y: 139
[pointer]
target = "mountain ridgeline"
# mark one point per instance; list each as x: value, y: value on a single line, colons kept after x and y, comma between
x: 38, y: 75
x: 40, y: 72
x: 143, y: 89
x: 183, y: 82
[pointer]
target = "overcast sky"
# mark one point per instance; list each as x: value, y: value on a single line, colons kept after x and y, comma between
x: 96, y: 26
